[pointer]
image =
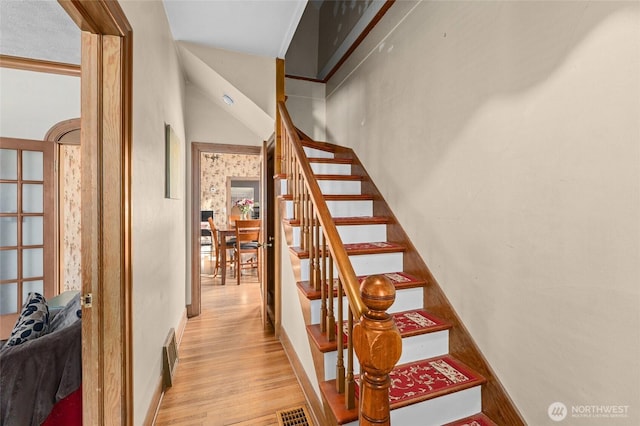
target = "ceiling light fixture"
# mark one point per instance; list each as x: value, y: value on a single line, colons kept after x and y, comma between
x: 227, y: 99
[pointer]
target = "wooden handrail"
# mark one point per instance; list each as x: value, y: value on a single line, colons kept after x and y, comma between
x: 340, y: 256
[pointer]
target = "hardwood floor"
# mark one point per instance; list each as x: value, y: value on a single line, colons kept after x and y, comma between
x: 231, y: 371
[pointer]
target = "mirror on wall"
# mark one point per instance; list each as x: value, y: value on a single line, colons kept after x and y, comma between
x: 241, y: 187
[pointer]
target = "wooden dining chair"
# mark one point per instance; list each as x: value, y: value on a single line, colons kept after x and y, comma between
x: 247, y: 243
x: 215, y: 242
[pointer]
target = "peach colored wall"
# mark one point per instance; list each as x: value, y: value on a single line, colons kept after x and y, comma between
x: 506, y: 138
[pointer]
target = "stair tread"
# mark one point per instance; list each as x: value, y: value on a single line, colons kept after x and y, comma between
x: 410, y: 323
x: 336, y: 197
x: 330, y: 160
x: 339, y: 177
x: 400, y: 280
x: 352, y: 220
x: 319, y: 145
x: 479, y: 419
x: 380, y: 247
x: 412, y: 383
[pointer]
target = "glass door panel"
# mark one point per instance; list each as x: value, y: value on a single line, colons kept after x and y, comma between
x: 8, y: 198
x: 27, y: 261
x: 32, y: 165
x: 8, y: 164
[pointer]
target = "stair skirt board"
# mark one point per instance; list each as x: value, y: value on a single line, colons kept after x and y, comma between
x: 414, y: 348
x: 438, y: 411
x: 364, y: 264
x: 353, y: 233
x: 406, y: 300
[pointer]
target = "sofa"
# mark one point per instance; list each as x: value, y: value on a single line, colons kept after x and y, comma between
x: 39, y: 371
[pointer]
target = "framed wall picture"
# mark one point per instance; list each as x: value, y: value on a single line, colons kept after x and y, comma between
x: 173, y: 165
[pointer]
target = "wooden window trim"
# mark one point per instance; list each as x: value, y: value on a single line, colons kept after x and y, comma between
x: 39, y: 65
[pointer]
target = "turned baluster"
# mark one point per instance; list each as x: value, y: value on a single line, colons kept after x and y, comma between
x: 331, y: 320
x: 350, y: 381
x: 340, y: 371
x: 378, y: 345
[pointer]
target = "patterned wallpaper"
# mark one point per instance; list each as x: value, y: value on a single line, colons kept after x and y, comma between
x: 213, y: 180
x: 70, y: 255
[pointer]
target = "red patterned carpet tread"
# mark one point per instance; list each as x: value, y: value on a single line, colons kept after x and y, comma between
x: 409, y: 323
x: 358, y: 248
x: 399, y: 279
x: 354, y: 220
x: 427, y: 379
x: 417, y: 321
x: 476, y: 420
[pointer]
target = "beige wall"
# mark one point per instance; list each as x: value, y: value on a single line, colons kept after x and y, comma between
x: 306, y: 106
x: 158, y: 223
x: 32, y: 102
x: 209, y: 123
x: 506, y: 137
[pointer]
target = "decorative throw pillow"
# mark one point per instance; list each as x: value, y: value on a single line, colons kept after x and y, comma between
x: 33, y: 321
x: 71, y: 313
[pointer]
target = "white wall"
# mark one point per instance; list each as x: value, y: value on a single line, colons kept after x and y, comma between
x: 292, y: 319
x: 307, y: 106
x: 206, y: 122
x: 158, y: 223
x: 506, y: 138
x: 32, y: 102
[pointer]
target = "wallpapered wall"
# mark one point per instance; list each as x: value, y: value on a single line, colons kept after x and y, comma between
x: 70, y: 250
x: 213, y: 180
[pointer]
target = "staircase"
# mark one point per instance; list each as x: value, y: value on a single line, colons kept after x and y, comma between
x: 440, y: 377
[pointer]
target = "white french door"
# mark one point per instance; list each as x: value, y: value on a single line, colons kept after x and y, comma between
x: 27, y: 226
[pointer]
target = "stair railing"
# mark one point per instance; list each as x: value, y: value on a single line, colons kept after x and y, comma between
x: 375, y: 337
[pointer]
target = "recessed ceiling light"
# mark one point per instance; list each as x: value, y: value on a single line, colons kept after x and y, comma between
x: 227, y: 99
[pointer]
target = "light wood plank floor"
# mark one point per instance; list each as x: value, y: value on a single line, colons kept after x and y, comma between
x: 231, y: 371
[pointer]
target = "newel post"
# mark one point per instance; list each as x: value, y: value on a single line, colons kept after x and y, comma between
x: 378, y: 345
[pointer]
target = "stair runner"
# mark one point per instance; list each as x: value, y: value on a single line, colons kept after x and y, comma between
x: 412, y: 382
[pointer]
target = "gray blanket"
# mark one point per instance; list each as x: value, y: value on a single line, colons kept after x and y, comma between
x: 37, y: 374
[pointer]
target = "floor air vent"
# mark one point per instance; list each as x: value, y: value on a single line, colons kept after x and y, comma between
x: 169, y: 358
x: 294, y: 417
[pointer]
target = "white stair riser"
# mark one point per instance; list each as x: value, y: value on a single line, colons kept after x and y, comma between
x: 331, y: 187
x: 438, y: 411
x: 357, y: 208
x: 364, y: 264
x: 317, y: 153
x: 414, y: 348
x: 331, y: 168
x: 353, y: 234
x: 406, y: 299
x: 339, y: 187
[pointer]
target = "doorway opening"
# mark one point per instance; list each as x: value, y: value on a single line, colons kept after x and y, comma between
x: 221, y: 175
